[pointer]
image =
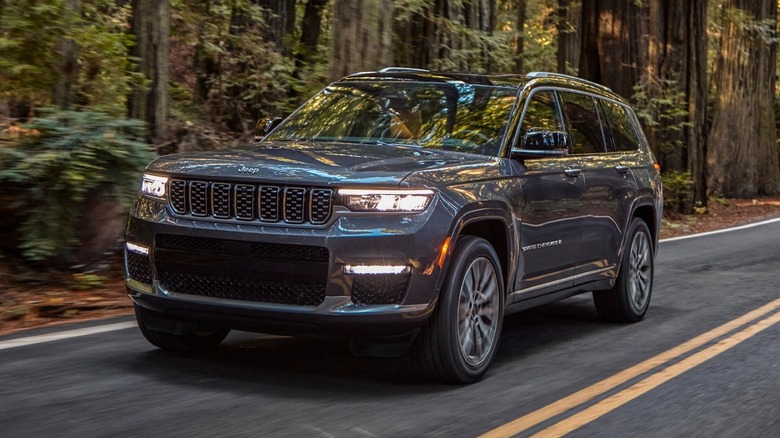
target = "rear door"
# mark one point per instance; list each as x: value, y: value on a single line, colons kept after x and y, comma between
x: 608, y: 179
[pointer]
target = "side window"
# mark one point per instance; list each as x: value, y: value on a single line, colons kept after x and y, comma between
x: 623, y: 132
x: 542, y: 114
x: 585, y: 125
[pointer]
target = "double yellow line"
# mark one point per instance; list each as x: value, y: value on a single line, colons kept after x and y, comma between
x: 616, y: 400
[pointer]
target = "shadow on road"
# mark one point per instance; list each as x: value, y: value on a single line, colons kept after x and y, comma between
x: 299, y: 366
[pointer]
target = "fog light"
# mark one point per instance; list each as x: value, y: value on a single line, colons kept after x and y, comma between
x: 376, y: 269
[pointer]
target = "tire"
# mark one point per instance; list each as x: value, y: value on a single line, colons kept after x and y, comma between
x: 629, y: 298
x: 193, y: 339
x: 459, y: 341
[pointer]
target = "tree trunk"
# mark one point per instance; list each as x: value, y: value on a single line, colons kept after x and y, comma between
x: 151, y: 27
x: 279, y: 23
x: 569, y: 19
x: 696, y: 90
x: 444, y: 35
x: 676, y: 79
x: 362, y: 36
x: 311, y: 27
x: 519, y: 28
x: 67, y: 63
x: 204, y: 65
x: 742, y: 157
x: 612, y: 47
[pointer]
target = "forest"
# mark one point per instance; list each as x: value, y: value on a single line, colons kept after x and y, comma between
x: 91, y: 90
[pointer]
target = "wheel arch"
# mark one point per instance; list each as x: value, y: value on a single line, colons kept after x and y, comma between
x: 647, y: 213
x: 491, y: 224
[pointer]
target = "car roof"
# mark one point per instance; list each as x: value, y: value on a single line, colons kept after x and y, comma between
x: 497, y: 80
x: 414, y: 74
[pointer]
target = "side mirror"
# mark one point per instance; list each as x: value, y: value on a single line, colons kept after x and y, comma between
x: 264, y: 127
x: 539, y: 143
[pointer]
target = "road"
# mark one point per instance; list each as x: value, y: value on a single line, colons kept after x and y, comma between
x: 705, y: 362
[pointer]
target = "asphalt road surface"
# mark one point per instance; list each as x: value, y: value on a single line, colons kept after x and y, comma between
x: 705, y: 362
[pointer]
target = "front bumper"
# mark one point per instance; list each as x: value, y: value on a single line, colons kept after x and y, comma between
x: 350, y: 303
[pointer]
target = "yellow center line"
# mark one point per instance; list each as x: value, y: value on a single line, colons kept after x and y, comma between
x: 578, y: 398
x: 615, y: 401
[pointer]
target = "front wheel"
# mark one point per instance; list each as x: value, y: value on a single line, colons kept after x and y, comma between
x: 458, y: 343
x: 629, y: 298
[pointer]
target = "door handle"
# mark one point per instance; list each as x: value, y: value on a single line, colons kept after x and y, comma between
x: 622, y: 169
x: 572, y: 172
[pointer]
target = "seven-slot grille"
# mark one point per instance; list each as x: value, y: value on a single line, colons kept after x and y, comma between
x: 267, y: 203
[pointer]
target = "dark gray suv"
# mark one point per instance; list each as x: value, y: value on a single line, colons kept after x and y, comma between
x: 404, y: 210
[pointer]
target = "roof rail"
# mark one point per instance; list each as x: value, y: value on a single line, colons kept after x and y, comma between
x: 547, y: 74
x: 402, y: 69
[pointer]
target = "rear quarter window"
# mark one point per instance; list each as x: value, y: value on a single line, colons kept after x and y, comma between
x: 623, y: 133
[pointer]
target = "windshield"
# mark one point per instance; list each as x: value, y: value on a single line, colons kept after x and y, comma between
x: 450, y: 116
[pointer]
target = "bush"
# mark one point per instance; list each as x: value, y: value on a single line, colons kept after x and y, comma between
x: 678, y: 192
x: 65, y: 163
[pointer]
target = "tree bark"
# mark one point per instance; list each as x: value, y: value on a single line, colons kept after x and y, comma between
x: 362, y: 36
x: 696, y: 90
x: 742, y: 154
x: 441, y: 36
x: 151, y: 27
x: 204, y: 65
x: 676, y: 72
x: 569, y: 19
x: 519, y: 28
x: 311, y: 27
x: 612, y: 47
x: 67, y: 63
x: 279, y: 23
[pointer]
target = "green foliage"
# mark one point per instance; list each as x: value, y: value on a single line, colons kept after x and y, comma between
x: 661, y: 102
x: 80, y: 281
x: 540, y: 36
x: 29, y: 30
x: 245, y: 76
x: 678, y: 191
x: 106, y: 75
x: 66, y: 157
x: 31, y: 35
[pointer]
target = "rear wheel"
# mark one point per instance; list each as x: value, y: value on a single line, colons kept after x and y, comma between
x: 168, y: 334
x: 458, y: 343
x: 629, y: 299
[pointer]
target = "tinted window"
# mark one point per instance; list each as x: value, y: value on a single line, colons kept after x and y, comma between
x: 623, y: 133
x: 584, y: 122
x: 542, y: 114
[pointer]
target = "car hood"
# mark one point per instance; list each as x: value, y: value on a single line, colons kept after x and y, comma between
x: 325, y: 164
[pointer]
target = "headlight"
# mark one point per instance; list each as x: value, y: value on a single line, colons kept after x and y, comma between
x: 154, y: 185
x: 386, y: 200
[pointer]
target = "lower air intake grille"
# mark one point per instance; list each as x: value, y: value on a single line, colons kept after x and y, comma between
x: 379, y: 288
x: 243, y: 289
x: 139, y: 268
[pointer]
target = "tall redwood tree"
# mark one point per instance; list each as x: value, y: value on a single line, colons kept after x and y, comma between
x: 742, y: 156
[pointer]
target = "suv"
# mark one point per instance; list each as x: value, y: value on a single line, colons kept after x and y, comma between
x: 403, y: 210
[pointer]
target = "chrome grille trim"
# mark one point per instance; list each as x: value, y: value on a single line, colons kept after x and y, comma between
x: 251, y: 202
